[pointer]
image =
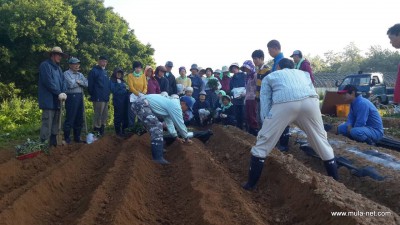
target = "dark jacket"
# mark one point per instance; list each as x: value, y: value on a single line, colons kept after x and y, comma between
x: 197, y: 85
x: 237, y: 80
x: 230, y: 119
x: 51, y: 84
x: 98, y: 85
x: 164, y: 83
x: 200, y: 105
x: 172, y: 89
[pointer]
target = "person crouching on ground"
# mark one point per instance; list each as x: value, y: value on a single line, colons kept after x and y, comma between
x: 120, y: 101
x: 201, y: 110
x: 187, y: 111
x: 364, y: 124
x: 226, y: 115
x: 287, y: 96
x: 148, y: 108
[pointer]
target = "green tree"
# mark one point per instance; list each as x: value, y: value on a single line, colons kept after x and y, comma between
x: 103, y: 32
x: 351, y: 59
x: 380, y: 60
x: 30, y: 28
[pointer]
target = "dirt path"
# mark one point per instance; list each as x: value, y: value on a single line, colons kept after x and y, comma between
x: 114, y: 181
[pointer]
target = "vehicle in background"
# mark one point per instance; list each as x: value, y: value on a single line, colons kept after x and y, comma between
x: 370, y: 85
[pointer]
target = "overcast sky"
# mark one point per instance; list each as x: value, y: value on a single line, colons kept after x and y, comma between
x: 214, y: 33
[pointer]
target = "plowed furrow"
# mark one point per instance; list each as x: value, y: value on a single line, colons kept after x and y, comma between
x: 110, y: 193
x: 291, y: 192
x: 66, y: 191
x: 17, y: 177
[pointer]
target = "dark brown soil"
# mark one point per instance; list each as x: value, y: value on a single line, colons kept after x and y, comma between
x: 114, y: 181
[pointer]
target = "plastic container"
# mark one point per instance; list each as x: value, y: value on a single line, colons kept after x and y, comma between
x: 342, y: 110
x: 29, y: 155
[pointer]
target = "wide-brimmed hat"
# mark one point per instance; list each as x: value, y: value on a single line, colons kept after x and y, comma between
x: 249, y: 65
x: 58, y: 50
x: 225, y: 69
x: 203, y: 93
x: 194, y: 67
x: 234, y: 64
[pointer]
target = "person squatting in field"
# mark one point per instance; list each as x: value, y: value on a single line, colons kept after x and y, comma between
x: 287, y: 96
x: 148, y: 108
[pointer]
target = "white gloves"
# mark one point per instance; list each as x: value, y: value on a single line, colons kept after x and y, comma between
x: 223, y: 116
x: 119, y: 81
x: 218, y: 109
x: 140, y: 95
x: 62, y: 97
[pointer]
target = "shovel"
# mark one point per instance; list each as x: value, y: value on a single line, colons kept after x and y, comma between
x: 90, y: 138
x: 60, y: 134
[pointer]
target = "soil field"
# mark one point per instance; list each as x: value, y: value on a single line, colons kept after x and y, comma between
x: 114, y: 181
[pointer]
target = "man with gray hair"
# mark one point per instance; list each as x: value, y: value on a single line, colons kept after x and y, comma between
x: 52, y: 87
x: 74, y: 105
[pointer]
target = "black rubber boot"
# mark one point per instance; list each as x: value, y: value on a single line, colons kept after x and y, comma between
x: 66, y: 136
x: 284, y: 140
x: 157, y: 152
x: 77, y: 135
x: 53, y: 140
x: 101, y: 129
x: 255, y: 169
x: 331, y: 168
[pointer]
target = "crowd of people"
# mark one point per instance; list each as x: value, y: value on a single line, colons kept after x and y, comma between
x: 252, y: 96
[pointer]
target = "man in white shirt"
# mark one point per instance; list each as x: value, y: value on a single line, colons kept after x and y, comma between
x: 288, y: 96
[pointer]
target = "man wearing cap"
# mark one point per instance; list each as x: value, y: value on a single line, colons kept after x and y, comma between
x: 172, y: 89
x: 238, y: 82
x: 394, y: 37
x: 197, y: 82
x: 51, y: 88
x: 74, y: 103
x: 99, y: 90
x: 364, y: 124
x: 274, y: 50
x: 302, y: 63
x: 290, y: 97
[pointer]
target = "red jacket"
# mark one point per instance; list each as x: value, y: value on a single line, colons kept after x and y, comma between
x: 396, y: 97
x: 152, y: 86
x: 306, y: 66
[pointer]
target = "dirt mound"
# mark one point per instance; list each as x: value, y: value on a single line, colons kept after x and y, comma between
x: 114, y: 181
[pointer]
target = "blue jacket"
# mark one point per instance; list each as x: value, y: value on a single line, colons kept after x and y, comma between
x: 276, y: 61
x: 172, y: 89
x: 118, y: 89
x: 170, y: 110
x: 364, y: 114
x: 51, y: 84
x: 99, y: 85
x: 238, y: 80
x: 197, y: 85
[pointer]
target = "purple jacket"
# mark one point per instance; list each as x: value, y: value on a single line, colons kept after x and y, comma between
x: 225, y: 83
x: 251, y: 86
x: 152, y: 86
x: 306, y: 66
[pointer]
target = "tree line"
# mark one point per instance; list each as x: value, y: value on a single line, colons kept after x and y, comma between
x: 87, y: 29
x: 82, y: 28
